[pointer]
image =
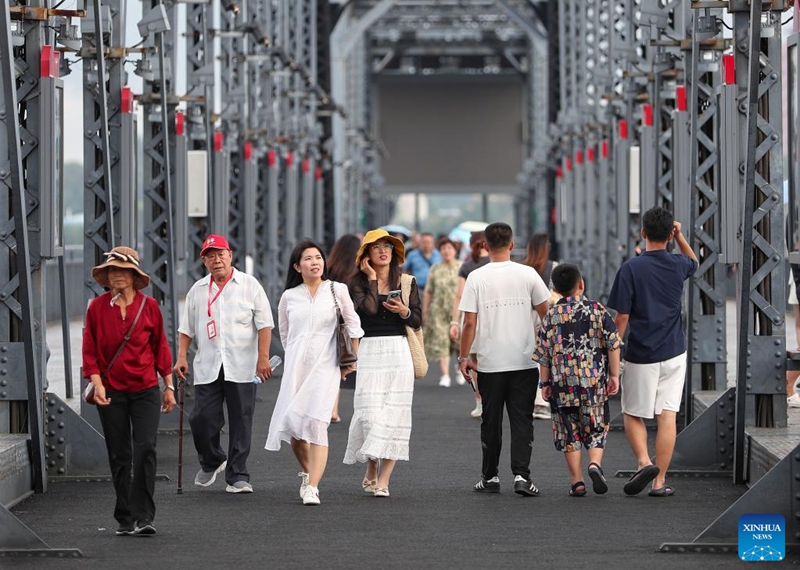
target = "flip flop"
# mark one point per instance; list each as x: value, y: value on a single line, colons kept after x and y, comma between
x: 599, y: 485
x: 578, y: 489
x: 665, y: 491
x: 641, y: 479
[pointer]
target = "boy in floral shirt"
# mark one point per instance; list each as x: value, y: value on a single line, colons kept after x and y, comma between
x: 578, y: 357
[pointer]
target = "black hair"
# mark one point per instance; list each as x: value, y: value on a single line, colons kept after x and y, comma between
x: 565, y: 278
x: 657, y: 224
x: 498, y: 235
x: 340, y: 265
x: 293, y: 277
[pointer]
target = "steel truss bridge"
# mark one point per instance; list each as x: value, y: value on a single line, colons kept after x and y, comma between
x: 628, y: 104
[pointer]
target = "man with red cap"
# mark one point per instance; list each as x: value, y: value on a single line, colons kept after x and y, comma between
x: 228, y: 316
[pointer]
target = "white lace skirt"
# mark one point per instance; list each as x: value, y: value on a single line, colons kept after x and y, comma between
x: 381, y: 424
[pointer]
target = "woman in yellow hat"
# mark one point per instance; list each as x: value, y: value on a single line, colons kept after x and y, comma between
x: 381, y: 424
x: 125, y: 349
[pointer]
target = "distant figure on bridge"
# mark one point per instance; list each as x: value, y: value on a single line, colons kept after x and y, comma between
x: 228, y: 316
x: 307, y: 322
x: 125, y: 377
x: 578, y: 357
x: 537, y: 255
x: 421, y: 259
x: 437, y: 305
x: 646, y: 294
x: 340, y: 268
x: 478, y: 257
x: 381, y: 424
x: 500, y: 303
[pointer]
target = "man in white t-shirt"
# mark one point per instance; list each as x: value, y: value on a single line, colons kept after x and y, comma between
x: 504, y: 297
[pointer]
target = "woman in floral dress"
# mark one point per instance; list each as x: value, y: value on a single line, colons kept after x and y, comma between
x: 437, y: 304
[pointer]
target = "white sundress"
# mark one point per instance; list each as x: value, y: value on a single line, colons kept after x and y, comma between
x: 311, y: 375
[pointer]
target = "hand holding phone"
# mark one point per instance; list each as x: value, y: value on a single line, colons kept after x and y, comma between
x: 393, y: 295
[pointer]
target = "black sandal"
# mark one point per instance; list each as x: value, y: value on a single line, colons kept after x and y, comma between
x: 599, y: 485
x: 578, y: 489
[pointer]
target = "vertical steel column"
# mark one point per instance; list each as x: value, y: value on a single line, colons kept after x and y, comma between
x: 199, y: 108
x: 159, y: 102
x: 761, y: 365
x: 100, y: 234
x: 22, y: 311
x: 706, y: 334
x: 234, y: 117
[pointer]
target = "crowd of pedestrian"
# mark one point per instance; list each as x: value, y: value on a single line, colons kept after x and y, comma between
x: 523, y: 335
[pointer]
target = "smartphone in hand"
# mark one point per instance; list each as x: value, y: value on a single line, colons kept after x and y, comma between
x: 393, y: 295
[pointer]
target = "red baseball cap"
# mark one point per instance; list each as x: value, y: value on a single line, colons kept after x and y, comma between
x: 214, y: 241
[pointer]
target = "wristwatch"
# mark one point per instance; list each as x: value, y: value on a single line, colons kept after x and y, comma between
x: 464, y: 359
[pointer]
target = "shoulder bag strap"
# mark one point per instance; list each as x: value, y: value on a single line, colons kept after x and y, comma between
x: 127, y: 336
x: 336, y: 304
x: 405, y: 288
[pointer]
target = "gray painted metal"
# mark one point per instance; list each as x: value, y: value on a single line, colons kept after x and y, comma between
x: 706, y: 444
x: 74, y: 447
x: 21, y: 311
x: 776, y: 492
x: 17, y: 540
x: 761, y: 366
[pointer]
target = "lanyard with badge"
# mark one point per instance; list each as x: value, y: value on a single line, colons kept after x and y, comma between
x: 211, y: 325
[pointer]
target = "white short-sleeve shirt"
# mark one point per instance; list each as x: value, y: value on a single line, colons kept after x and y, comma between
x: 504, y: 294
x: 240, y: 311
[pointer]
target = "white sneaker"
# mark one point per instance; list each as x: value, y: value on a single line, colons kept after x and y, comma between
x: 793, y: 401
x: 460, y: 379
x: 541, y: 413
x: 311, y: 496
x: 303, y: 483
x: 478, y: 411
x: 444, y: 381
x: 240, y: 487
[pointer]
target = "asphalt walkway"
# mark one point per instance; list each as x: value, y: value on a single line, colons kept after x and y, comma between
x: 432, y: 520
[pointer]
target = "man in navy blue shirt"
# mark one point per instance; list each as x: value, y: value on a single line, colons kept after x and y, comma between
x: 647, y: 294
x: 420, y: 260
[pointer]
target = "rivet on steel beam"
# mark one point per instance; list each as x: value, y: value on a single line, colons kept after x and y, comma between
x: 61, y: 410
x: 62, y: 425
x: 52, y: 418
x: 60, y: 440
x: 61, y: 471
x: 3, y: 383
x: 3, y: 394
x: 61, y: 456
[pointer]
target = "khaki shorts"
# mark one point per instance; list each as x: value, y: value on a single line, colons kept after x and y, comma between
x: 649, y: 389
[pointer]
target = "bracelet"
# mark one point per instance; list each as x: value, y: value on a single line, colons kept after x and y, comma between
x: 406, y: 317
x: 464, y: 359
x: 453, y: 324
x: 544, y: 385
x: 169, y: 387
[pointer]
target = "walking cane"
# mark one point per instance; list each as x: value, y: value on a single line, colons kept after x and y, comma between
x: 181, y: 384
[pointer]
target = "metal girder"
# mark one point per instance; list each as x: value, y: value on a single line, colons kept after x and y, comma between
x: 101, y: 115
x: 234, y: 119
x: 21, y: 311
x: 775, y: 493
x: 761, y: 364
x: 200, y: 131
x: 158, y: 256
x: 706, y: 342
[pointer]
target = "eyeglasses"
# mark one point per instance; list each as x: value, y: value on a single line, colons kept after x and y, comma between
x: 382, y: 247
x: 122, y: 257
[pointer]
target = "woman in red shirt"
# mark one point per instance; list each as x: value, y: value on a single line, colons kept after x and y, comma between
x: 126, y: 386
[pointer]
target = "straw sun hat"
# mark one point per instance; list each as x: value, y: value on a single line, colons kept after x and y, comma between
x: 125, y: 258
x: 373, y: 236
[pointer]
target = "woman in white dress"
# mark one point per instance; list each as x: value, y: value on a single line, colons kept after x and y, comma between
x: 307, y: 325
x: 381, y: 424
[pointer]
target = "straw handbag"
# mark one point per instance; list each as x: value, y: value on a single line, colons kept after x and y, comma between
x: 415, y: 341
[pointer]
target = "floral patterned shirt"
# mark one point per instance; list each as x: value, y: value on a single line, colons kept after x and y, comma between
x: 574, y: 341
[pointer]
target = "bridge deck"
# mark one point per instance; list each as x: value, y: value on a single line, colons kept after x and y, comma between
x: 433, y: 519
